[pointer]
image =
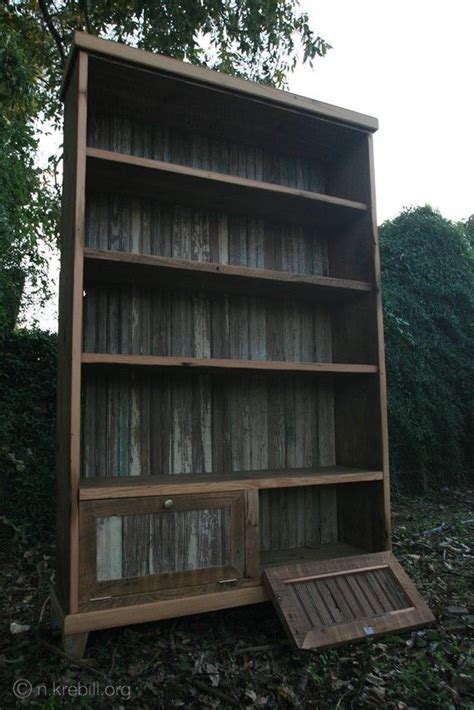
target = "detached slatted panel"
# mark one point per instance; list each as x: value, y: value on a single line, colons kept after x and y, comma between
x: 327, y: 603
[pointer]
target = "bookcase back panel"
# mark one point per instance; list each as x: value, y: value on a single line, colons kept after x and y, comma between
x: 218, y: 154
x: 145, y: 226
x: 203, y: 325
x: 158, y: 424
x: 157, y: 543
x: 292, y: 518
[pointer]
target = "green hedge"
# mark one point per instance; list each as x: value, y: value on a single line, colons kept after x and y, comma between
x: 27, y: 430
x: 427, y: 279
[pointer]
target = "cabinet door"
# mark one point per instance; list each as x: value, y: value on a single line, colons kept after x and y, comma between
x: 135, y: 545
x: 324, y: 603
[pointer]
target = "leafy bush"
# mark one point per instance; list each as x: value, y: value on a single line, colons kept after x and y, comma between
x: 427, y: 279
x: 27, y: 430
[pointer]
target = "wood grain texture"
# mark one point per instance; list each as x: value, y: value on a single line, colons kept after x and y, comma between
x: 142, y: 545
x: 151, y: 60
x: 185, y: 423
x: 69, y: 336
x: 325, y: 603
x: 361, y: 516
x: 202, y: 325
x: 293, y: 519
x: 295, y: 555
x: 124, y: 267
x: 383, y: 418
x: 357, y: 429
x: 133, y: 176
x: 163, y: 609
x: 152, y: 227
x: 138, y: 486
x: 109, y: 360
x: 166, y: 143
x: 232, y: 350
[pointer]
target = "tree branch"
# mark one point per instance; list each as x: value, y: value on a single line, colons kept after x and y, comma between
x: 87, y: 22
x: 54, y: 33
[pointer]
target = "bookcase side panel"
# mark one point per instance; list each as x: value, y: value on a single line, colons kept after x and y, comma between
x: 69, y: 336
x: 383, y: 417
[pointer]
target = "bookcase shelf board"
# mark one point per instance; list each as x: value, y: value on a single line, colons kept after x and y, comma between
x: 150, y: 361
x: 132, y: 486
x: 130, y: 174
x: 123, y: 267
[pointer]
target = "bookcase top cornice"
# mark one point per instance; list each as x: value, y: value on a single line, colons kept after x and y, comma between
x: 117, y: 51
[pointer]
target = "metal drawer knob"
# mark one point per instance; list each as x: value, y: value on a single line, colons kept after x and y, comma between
x: 168, y: 503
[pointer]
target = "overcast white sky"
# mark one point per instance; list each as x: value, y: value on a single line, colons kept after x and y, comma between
x: 410, y: 64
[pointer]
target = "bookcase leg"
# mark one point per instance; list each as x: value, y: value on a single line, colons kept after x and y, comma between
x: 56, y: 617
x: 75, y: 645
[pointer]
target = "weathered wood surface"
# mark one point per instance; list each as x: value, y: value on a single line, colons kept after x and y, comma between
x: 181, y: 323
x: 146, y: 226
x: 137, y: 486
x: 151, y: 544
x: 328, y: 602
x: 121, y: 268
x: 154, y: 543
x: 69, y: 338
x: 166, y: 143
x: 274, y: 198
x: 296, y: 518
x: 188, y: 423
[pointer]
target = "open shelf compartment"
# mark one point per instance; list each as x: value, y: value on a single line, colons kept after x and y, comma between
x: 158, y: 179
x: 120, y: 267
x: 320, y: 522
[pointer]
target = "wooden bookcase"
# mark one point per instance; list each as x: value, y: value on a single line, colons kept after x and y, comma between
x: 222, y: 404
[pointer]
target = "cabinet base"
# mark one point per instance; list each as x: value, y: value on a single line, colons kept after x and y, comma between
x: 76, y: 627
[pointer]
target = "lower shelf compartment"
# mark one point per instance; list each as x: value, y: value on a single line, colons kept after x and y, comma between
x: 327, y: 551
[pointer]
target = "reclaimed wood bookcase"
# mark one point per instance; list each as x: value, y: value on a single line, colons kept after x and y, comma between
x: 222, y: 428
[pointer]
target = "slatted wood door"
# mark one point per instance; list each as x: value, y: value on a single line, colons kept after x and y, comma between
x: 327, y: 603
x: 142, y: 545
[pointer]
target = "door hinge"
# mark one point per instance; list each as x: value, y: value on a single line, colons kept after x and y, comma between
x: 99, y: 599
x: 231, y: 582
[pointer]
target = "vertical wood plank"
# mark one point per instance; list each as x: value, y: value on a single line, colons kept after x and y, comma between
x: 70, y: 336
x: 135, y: 545
x: 381, y: 348
x: 109, y: 548
x: 252, y: 537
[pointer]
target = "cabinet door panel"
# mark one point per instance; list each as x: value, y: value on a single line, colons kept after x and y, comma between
x: 129, y: 546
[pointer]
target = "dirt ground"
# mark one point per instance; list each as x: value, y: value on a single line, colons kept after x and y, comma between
x: 240, y: 658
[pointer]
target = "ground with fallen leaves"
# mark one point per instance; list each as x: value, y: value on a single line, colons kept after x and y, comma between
x: 240, y: 657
